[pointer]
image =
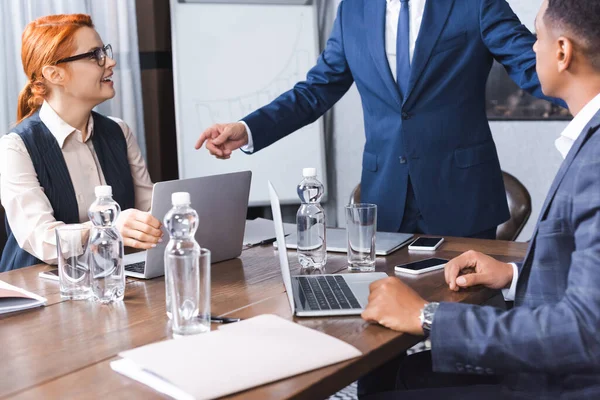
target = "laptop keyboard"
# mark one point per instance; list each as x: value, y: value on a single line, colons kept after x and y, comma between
x: 137, y: 267
x: 326, y: 293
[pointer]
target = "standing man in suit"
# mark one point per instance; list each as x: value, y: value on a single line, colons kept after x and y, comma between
x: 548, y: 345
x: 421, y: 67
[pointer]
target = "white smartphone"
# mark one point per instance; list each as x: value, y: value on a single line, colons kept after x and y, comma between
x: 51, y: 274
x: 421, y: 266
x: 426, y: 243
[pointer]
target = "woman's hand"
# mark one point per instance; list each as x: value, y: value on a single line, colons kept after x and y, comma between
x: 139, y: 229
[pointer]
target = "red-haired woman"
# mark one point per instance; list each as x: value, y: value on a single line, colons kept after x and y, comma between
x: 60, y: 150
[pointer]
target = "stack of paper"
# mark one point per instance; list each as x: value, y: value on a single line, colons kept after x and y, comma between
x: 237, y: 357
x: 13, y: 299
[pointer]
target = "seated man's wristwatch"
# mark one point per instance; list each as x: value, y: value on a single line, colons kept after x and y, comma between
x: 426, y: 317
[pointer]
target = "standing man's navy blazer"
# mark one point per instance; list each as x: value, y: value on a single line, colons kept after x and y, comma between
x: 438, y: 134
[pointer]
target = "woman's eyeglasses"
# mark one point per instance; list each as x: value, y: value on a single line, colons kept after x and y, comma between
x: 99, y: 54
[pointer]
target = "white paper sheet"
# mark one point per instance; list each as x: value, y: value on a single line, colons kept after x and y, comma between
x: 236, y: 357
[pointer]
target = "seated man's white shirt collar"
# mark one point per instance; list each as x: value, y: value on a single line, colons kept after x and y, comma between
x: 576, y: 126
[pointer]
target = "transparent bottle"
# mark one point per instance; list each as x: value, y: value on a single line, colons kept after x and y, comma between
x: 310, y: 222
x: 107, y: 271
x: 182, y: 251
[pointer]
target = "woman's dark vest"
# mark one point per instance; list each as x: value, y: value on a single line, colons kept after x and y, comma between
x: 111, y: 148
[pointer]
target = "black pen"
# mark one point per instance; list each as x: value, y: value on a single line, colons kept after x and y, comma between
x: 267, y: 241
x: 223, y: 320
x: 262, y: 242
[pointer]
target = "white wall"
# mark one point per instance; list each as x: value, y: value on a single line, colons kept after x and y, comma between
x: 526, y: 149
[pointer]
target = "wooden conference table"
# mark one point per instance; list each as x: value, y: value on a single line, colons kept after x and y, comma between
x: 63, y: 350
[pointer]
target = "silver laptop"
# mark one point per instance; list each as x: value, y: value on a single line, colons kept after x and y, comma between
x: 385, y: 242
x: 320, y: 295
x: 221, y: 202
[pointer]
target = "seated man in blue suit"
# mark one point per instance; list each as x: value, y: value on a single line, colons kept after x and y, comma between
x: 548, y: 345
x: 421, y: 67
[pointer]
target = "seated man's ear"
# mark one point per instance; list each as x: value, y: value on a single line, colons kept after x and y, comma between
x: 564, y: 53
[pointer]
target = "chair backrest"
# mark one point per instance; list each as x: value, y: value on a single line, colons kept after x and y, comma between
x: 519, y: 206
x: 3, y: 236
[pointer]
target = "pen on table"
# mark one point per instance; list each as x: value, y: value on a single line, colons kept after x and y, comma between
x: 223, y: 320
x: 267, y: 241
x: 262, y: 242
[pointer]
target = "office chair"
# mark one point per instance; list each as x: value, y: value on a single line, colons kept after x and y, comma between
x: 519, y: 206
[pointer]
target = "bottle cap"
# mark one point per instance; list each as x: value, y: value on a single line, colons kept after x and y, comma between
x: 180, y: 198
x: 103, y: 191
x: 309, y: 172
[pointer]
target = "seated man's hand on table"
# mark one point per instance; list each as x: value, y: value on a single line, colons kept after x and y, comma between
x: 474, y: 268
x: 394, y: 305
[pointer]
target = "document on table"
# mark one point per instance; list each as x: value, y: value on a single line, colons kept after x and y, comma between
x: 262, y: 230
x: 236, y: 357
x: 14, y: 299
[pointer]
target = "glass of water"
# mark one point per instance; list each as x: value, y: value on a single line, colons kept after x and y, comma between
x: 72, y: 254
x: 361, y: 225
x: 189, y: 283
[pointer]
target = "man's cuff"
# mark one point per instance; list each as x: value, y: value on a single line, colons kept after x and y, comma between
x: 509, y: 294
x: 248, y: 148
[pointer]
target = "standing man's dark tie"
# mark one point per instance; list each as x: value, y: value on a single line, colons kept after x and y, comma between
x: 402, y: 48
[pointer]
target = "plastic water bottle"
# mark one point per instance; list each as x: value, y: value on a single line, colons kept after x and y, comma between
x: 107, y: 271
x: 182, y: 250
x: 310, y: 222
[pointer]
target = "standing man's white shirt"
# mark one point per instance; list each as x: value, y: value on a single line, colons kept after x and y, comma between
x: 563, y: 144
x: 416, y: 9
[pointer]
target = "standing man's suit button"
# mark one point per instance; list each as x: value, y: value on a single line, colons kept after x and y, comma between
x: 402, y: 160
x: 406, y: 115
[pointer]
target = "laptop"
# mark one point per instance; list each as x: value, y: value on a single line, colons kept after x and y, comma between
x: 385, y: 242
x: 320, y: 295
x: 221, y: 202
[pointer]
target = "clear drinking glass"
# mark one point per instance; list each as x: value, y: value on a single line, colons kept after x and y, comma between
x: 189, y: 283
x: 73, y: 270
x: 361, y: 225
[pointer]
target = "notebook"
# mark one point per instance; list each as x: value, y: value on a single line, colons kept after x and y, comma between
x: 14, y: 299
x: 236, y: 357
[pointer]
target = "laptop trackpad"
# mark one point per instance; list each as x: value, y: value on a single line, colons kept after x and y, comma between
x: 361, y: 291
x: 359, y: 284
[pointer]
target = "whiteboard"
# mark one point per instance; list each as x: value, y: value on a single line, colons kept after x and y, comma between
x: 229, y: 60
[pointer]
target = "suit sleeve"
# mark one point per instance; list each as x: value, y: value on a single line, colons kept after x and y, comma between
x: 555, y: 338
x: 325, y: 84
x: 511, y: 44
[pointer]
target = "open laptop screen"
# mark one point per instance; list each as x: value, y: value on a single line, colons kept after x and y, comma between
x: 283, y: 257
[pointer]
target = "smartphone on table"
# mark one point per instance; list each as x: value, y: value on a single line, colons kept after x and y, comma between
x: 51, y: 274
x: 421, y: 266
x: 426, y: 243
